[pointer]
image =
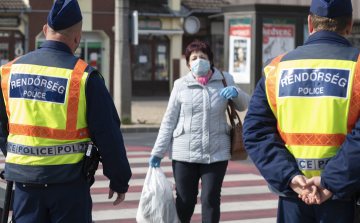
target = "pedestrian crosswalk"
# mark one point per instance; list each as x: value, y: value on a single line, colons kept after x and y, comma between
x: 245, y: 196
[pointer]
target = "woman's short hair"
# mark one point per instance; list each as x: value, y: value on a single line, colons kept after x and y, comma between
x: 202, y: 46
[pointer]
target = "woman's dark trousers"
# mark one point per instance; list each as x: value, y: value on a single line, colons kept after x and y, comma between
x: 187, y: 177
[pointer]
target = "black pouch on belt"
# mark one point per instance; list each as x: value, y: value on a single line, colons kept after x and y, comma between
x: 357, y: 207
x: 91, y: 161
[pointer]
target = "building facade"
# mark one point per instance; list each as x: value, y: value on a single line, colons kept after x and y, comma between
x: 355, y: 4
x: 165, y: 28
x: 13, y: 29
x: 97, y: 40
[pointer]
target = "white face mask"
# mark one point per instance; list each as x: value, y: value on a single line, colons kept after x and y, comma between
x: 200, y: 67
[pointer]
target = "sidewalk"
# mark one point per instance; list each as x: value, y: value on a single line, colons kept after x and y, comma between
x: 147, y: 114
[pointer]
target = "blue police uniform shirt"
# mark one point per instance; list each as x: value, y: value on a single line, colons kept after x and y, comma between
x: 103, y: 121
x: 272, y: 158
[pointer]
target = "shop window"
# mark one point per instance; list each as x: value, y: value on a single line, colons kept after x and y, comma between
x: 90, y: 52
x: 150, y: 66
x: 218, y: 50
x: 150, y: 60
x: 161, y: 62
x: 142, y: 62
x: 354, y: 37
x: 4, y: 53
x: 11, y: 45
x: 355, y: 40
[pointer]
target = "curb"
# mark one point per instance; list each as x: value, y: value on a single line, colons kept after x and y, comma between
x: 139, y: 129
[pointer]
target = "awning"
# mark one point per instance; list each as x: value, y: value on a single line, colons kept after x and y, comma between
x: 216, y: 16
x: 160, y: 31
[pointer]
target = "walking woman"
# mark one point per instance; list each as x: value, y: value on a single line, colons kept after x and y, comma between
x: 195, y: 130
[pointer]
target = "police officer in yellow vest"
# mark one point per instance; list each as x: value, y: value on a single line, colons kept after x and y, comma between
x: 54, y: 105
x: 302, y: 128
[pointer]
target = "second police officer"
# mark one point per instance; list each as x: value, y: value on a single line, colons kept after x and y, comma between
x: 302, y: 128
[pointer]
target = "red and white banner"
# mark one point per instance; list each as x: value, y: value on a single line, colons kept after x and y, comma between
x: 241, y: 31
x: 278, y: 31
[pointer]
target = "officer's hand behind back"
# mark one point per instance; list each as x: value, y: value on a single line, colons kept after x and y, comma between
x: 229, y: 92
x: 154, y: 161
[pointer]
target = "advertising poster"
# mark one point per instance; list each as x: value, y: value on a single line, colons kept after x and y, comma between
x: 278, y: 37
x: 239, y: 50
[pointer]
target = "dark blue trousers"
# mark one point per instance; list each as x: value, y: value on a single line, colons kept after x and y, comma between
x: 59, y: 203
x: 293, y: 210
x: 187, y: 177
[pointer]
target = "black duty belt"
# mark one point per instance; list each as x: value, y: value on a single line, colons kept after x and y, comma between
x: 36, y: 185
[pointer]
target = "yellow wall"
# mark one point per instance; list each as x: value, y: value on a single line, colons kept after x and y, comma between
x: 174, y: 4
x: 26, y: 3
x: 86, y: 10
x: 175, y: 46
x: 21, y: 27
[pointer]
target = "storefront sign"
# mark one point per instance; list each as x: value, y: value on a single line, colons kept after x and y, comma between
x: 240, y: 48
x: 278, y: 37
x: 9, y: 21
x: 149, y: 24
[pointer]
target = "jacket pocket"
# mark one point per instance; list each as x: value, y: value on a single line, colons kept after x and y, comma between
x: 179, y: 128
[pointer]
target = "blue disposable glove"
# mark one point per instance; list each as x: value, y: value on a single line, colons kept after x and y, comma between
x: 154, y: 161
x: 229, y: 92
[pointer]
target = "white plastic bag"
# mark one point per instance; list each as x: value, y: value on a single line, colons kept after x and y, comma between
x: 157, y: 203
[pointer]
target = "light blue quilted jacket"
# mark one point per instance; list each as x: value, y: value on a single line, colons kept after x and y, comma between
x: 194, y: 126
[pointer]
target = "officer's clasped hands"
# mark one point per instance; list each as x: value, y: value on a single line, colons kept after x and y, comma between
x: 154, y: 161
x: 229, y: 92
x: 310, y: 190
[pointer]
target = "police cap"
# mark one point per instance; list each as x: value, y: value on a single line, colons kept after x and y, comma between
x: 64, y: 14
x: 331, y: 8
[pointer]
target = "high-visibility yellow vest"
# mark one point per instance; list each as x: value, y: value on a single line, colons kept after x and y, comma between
x: 316, y: 103
x: 46, y: 108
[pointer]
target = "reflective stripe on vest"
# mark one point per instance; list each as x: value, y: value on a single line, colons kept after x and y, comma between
x: 271, y: 69
x: 70, y: 133
x: 315, y: 148
x: 40, y: 151
x: 354, y: 109
x: 4, y: 82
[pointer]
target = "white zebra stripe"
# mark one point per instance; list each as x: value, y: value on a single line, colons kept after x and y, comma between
x: 225, y: 191
x: 225, y: 207
x: 257, y: 220
x: 140, y: 182
x: 139, y: 170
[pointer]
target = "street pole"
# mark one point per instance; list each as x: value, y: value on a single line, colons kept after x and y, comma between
x: 122, y: 72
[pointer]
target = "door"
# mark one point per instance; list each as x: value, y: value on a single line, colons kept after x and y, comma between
x: 150, y: 66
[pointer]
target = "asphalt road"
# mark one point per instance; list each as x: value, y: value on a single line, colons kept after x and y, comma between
x: 148, y: 140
